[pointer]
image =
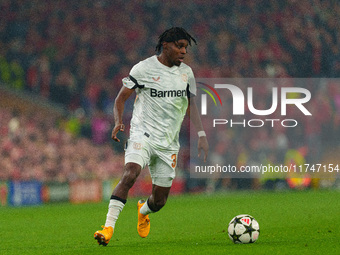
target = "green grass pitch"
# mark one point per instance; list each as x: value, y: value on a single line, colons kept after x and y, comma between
x: 301, y: 222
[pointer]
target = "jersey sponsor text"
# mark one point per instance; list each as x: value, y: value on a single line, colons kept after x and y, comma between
x: 168, y: 93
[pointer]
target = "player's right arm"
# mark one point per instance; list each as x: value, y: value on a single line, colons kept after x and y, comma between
x: 118, y: 111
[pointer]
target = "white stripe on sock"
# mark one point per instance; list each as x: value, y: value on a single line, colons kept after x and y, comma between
x: 145, y: 210
x: 115, y: 207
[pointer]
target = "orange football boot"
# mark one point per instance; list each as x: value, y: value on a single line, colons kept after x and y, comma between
x: 143, y: 226
x: 103, y: 236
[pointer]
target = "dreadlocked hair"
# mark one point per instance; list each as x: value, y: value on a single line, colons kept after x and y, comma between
x: 172, y: 35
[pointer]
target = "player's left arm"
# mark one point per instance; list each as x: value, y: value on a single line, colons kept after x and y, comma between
x: 196, y: 120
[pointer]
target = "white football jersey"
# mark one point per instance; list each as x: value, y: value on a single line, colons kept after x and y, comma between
x: 162, y: 100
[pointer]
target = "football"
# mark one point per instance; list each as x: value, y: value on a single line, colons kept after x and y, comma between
x: 244, y: 229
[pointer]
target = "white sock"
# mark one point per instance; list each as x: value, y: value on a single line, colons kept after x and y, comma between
x: 115, y: 207
x: 145, y: 210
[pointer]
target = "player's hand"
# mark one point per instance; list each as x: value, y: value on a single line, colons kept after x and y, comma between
x: 203, y: 144
x: 115, y: 130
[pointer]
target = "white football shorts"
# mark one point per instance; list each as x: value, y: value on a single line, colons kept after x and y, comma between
x: 162, y: 163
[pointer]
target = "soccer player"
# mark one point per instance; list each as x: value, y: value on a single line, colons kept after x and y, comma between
x: 165, y: 86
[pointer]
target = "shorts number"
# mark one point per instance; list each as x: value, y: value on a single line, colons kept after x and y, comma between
x: 174, y: 160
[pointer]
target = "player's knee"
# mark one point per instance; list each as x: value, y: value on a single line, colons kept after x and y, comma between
x: 129, y: 179
x: 130, y: 176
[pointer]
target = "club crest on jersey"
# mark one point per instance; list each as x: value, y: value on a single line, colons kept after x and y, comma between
x: 156, y: 79
x: 185, y: 77
x: 137, y: 146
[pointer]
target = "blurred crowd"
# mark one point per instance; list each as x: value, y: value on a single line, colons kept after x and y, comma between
x: 36, y: 147
x: 76, y: 53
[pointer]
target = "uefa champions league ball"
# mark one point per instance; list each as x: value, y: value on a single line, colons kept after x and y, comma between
x: 243, y: 228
